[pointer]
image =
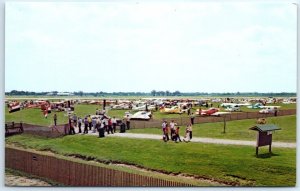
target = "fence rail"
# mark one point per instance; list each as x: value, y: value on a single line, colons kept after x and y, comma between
x: 210, y: 119
x: 78, y: 174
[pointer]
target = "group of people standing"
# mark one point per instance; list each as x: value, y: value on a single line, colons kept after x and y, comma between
x: 102, y: 125
x: 174, y: 131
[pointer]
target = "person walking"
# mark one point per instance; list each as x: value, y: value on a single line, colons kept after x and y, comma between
x: 105, y: 121
x: 192, y: 117
x: 101, y: 130
x: 114, y: 123
x: 86, y: 124
x: 71, y: 125
x: 127, y: 122
x: 75, y: 119
x: 90, y: 122
x: 177, y: 136
x: 190, y: 131
x: 172, y: 128
x: 187, y: 135
x: 189, y: 111
x: 110, y: 129
x: 275, y: 112
x: 79, y: 124
x: 123, y: 126
x: 55, y: 119
x: 94, y: 124
x: 163, y: 128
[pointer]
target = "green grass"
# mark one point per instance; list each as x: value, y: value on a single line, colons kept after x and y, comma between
x: 35, y: 116
x: 235, y: 164
x: 238, y: 129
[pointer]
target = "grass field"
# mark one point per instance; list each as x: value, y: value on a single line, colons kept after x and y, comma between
x: 237, y: 129
x: 236, y: 164
x: 35, y: 116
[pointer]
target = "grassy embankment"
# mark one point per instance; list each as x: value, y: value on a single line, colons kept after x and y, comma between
x: 234, y: 164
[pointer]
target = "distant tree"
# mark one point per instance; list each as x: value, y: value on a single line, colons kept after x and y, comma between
x: 153, y: 93
x: 177, y: 93
x: 168, y: 93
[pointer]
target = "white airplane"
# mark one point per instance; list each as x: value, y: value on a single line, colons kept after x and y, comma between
x: 233, y: 108
x: 121, y: 106
x: 268, y: 110
x: 271, y: 106
x: 143, y: 108
x: 220, y: 113
x: 174, y: 109
x: 256, y: 106
x: 139, y: 115
x: 234, y: 104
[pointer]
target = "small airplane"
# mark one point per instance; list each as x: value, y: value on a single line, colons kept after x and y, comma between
x: 207, y: 112
x: 174, y: 109
x: 14, y: 106
x: 269, y: 109
x: 121, y: 106
x: 219, y: 113
x: 233, y: 108
x: 233, y: 104
x: 139, y: 115
x: 143, y: 107
x: 256, y: 106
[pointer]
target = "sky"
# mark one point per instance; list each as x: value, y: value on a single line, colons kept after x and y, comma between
x: 145, y: 46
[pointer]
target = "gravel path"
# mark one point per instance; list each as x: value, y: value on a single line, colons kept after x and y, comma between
x: 16, y: 180
x: 200, y: 140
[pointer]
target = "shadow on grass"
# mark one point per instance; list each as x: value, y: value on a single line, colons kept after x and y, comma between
x: 266, y: 155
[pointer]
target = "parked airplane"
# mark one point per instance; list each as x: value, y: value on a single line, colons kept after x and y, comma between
x: 269, y: 109
x: 233, y: 104
x: 219, y: 113
x: 233, y: 108
x: 144, y: 115
x: 256, y: 106
x: 14, y: 106
x: 143, y: 107
x: 207, y: 112
x: 174, y: 109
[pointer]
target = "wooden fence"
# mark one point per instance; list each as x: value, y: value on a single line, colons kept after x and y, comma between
x: 72, y: 173
x: 209, y: 119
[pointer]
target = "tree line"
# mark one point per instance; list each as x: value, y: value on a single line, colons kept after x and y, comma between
x: 153, y: 93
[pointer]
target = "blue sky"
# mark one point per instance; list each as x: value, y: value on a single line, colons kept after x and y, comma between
x: 190, y: 47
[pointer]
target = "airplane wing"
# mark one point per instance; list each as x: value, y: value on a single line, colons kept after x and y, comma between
x: 220, y: 113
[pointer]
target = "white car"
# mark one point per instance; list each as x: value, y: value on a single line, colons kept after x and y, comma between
x: 233, y: 108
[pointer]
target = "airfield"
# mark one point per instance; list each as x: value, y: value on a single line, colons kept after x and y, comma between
x: 212, y: 157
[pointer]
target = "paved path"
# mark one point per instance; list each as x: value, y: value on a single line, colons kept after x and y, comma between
x: 200, y: 140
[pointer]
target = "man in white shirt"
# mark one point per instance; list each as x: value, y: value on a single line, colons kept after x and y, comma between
x: 114, y: 123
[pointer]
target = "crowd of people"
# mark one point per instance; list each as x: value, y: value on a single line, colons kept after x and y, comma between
x: 174, y: 131
x: 99, y: 123
x: 106, y: 125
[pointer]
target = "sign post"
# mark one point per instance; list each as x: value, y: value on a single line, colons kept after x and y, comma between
x: 264, y: 136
